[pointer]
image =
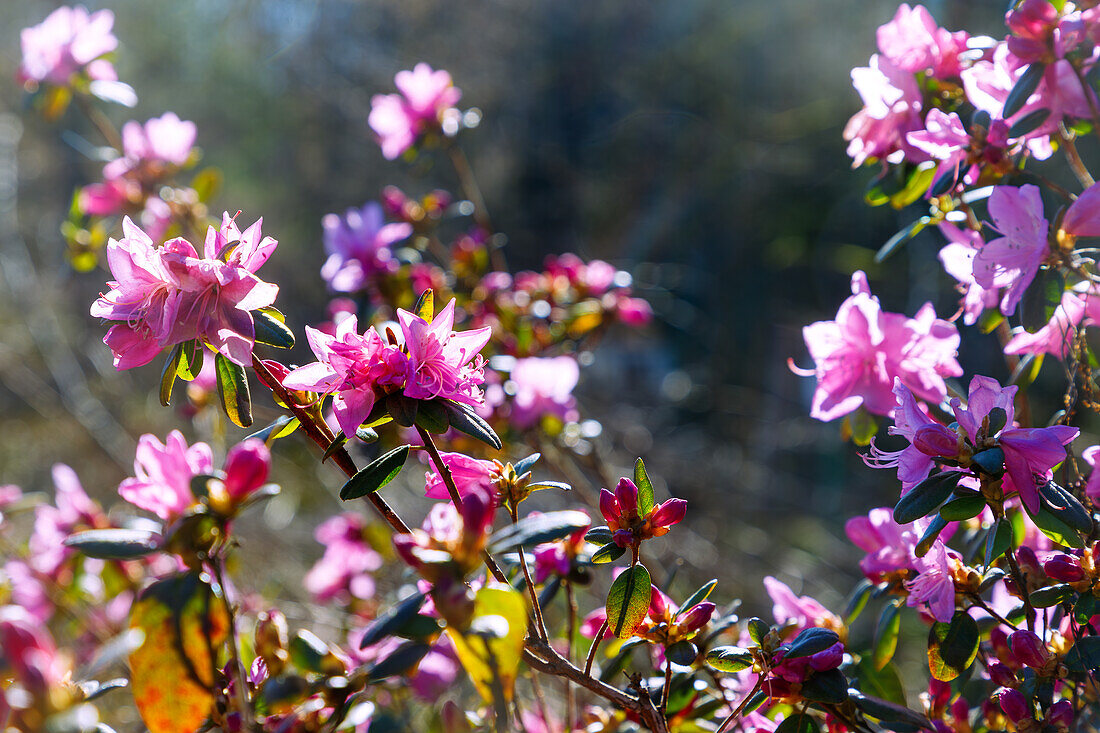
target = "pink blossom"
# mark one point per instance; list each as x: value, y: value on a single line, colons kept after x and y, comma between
x: 934, y: 586
x: 1011, y: 261
x: 351, y: 367
x: 1057, y: 336
x: 858, y: 356
x: 888, y: 544
x: 891, y: 109
x: 347, y: 568
x: 434, y: 674
x: 163, y: 473
x: 957, y: 258
x: 620, y: 511
x: 1040, y: 32
x: 161, y: 141
x: 961, y: 154
x: 469, y: 474
x: 442, y: 362
x: 358, y: 245
x: 426, y: 96
x: 246, y: 467
x: 544, y: 386
x: 802, y: 611
x: 69, y: 40
x: 72, y: 508
x: 914, y: 43
x: 30, y: 652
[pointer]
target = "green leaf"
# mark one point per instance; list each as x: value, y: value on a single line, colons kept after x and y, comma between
x: 1041, y: 298
x: 1084, y: 655
x: 886, y: 635
x: 894, y: 243
x: 922, y: 499
x: 206, y: 183
x: 337, y: 443
x: 172, y: 673
x: 1065, y: 506
x: 952, y: 647
x: 425, y: 305
x: 927, y: 539
x: 645, y: 489
x: 191, y: 358
x: 402, y: 409
x: 963, y: 507
x: 1053, y: 527
x: 997, y: 541
x: 403, y: 659
x: 729, y: 659
x: 828, y: 687
x: 271, y: 328
x: 282, y: 427
x: 682, y: 652
x: 863, y: 426
x: 1028, y: 123
x: 233, y: 390
x: 697, y: 597
x: 598, y: 535
x: 758, y: 629
x: 811, y: 641
x: 1051, y: 595
x: 377, y: 474
x: 915, y: 185
x: 798, y: 722
x: 537, y: 529
x: 309, y: 654
x: 432, y: 416
x: 1025, y: 86
x: 392, y: 619
x: 526, y: 464
x: 1086, y: 607
x: 884, y: 683
x: 858, y: 600
x: 115, y: 544
x: 608, y: 553
x: 539, y: 485
x: 168, y: 374
x: 464, y: 419
x: 628, y: 601
x: 990, y: 462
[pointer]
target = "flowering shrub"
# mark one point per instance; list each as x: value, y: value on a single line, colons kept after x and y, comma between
x: 992, y: 539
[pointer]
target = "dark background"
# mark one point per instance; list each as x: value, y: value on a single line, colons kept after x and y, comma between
x: 697, y: 144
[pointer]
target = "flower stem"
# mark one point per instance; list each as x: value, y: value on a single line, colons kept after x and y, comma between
x: 536, y: 608
x: 1074, y: 158
x: 592, y: 649
x: 244, y: 706
x: 737, y: 711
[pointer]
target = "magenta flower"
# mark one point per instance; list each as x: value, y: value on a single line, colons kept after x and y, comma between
x: 961, y: 154
x: 469, y: 474
x: 802, y: 611
x: 72, y: 508
x: 246, y: 468
x: 1011, y: 261
x: 620, y: 510
x: 556, y: 558
x: 442, y: 362
x: 891, y: 109
x: 30, y: 653
x: 913, y: 42
x: 934, y: 586
x: 68, y: 41
x: 544, y: 386
x: 353, y: 367
x: 170, y: 295
x: 358, y: 246
x: 162, y: 474
x: 450, y: 539
x: 889, y: 545
x: 161, y: 141
x: 1057, y: 336
x: 346, y: 571
x: 1092, y: 488
x: 957, y: 258
x: 858, y: 355
x: 426, y: 98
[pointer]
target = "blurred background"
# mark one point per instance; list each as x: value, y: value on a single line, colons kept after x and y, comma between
x: 695, y: 143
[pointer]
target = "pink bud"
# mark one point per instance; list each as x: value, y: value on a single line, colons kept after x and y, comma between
x: 658, y: 607
x: 696, y: 617
x: 829, y: 658
x: 669, y: 513
x: 940, y: 692
x: 1061, y: 714
x: 1014, y: 704
x: 936, y: 440
x: 1028, y: 648
x: 623, y: 537
x: 1028, y: 560
x: 246, y: 467
x: 1064, y: 568
x: 634, y: 311
x: 626, y: 494
x: 609, y: 508
x: 1001, y: 675
x: 477, y: 511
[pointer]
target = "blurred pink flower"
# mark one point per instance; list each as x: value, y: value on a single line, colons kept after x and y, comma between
x: 858, y: 356
x: 544, y: 386
x: 891, y: 109
x: 162, y: 474
x: 67, y: 41
x: 358, y: 246
x: 957, y: 258
x: 1057, y: 335
x: 1011, y: 261
x: 469, y: 474
x: 30, y: 652
x: 72, y: 508
x: 399, y: 119
x: 346, y: 569
x: 164, y: 140
x: 914, y: 43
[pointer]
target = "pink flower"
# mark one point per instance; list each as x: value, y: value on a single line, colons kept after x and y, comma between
x: 620, y: 511
x: 804, y: 612
x: 30, y: 652
x: 469, y: 474
x: 913, y: 42
x: 1092, y: 489
x: 934, y: 586
x: 358, y: 246
x: 52, y: 524
x: 69, y: 40
x: 888, y: 544
x: 891, y: 109
x: 170, y: 295
x: 961, y: 154
x: 858, y: 356
x: 957, y: 258
x: 351, y: 367
x: 544, y: 386
x: 442, y: 362
x: 347, y: 568
x: 1011, y: 261
x: 1057, y: 336
x: 634, y: 311
x: 246, y: 467
x: 399, y: 119
x: 163, y: 473
x: 161, y: 141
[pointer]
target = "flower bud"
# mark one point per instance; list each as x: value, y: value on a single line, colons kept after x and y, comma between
x: 1028, y: 648
x: 658, y: 609
x: 696, y: 618
x: 246, y: 468
x: 1064, y: 568
x: 1029, y: 562
x: 939, y: 693
x: 1014, y: 705
x: 829, y: 658
x: 1001, y: 675
x: 936, y: 440
x: 667, y: 514
x: 1060, y: 714
x: 626, y: 494
x: 454, y: 601
x: 609, y: 508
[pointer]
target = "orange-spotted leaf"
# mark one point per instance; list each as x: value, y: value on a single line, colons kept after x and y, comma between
x: 184, y: 624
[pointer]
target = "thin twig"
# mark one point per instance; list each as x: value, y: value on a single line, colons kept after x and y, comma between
x: 244, y: 705
x: 592, y: 649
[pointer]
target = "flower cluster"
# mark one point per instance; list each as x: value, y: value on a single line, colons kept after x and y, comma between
x: 625, y: 518
x: 426, y: 102
x: 168, y: 295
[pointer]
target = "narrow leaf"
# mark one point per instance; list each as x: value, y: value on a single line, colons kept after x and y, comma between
x: 168, y: 374
x: 729, y: 659
x: 464, y: 419
x: 425, y: 305
x: 115, y: 544
x: 536, y: 529
x: 1025, y: 86
x: 608, y: 553
x: 271, y: 328
x: 923, y: 498
x: 697, y: 597
x: 646, y: 501
x: 377, y: 474
x: 233, y: 390
x: 886, y: 635
x: 811, y: 641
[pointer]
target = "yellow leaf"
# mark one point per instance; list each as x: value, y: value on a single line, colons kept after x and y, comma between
x: 491, y: 649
